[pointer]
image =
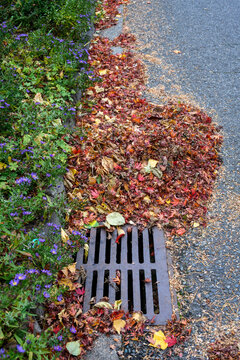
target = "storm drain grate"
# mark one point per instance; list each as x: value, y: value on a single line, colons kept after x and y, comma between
x: 139, y: 261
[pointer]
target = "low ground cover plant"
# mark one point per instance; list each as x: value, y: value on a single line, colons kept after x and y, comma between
x: 42, y: 63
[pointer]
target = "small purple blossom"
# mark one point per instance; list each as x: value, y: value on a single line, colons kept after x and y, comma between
x: 22, y: 180
x: 47, y: 272
x: 13, y: 214
x: 60, y: 337
x: 38, y: 287
x: 48, y: 175
x: 57, y: 348
x: 26, y: 212
x: 60, y: 297
x: 20, y: 276
x: 20, y: 349
x: 73, y: 330
x: 46, y: 294
x: 34, y: 176
x: 14, y: 282
x: 32, y: 271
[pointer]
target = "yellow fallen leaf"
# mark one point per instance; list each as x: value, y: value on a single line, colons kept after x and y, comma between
x: 70, y: 175
x: 117, y: 304
x: 147, y: 199
x: 103, y: 72
x: 86, y: 248
x: 67, y: 282
x: 195, y: 224
x: 138, y: 316
x: 64, y: 236
x: 168, y: 201
x: 2, y: 166
x: 107, y: 164
x: 95, y: 62
x: 72, y: 268
x: 120, y: 231
x: 159, y: 340
x: 152, y: 163
x: 119, y: 325
x: 99, y: 89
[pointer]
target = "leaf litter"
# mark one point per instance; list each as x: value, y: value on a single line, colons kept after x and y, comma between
x: 154, y: 165
x: 139, y: 163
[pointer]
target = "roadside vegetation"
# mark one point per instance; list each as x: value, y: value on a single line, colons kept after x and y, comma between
x: 43, y: 61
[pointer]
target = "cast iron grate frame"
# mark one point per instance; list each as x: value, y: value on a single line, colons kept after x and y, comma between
x: 139, y: 257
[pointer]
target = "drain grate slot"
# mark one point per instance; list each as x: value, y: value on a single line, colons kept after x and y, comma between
x: 133, y: 270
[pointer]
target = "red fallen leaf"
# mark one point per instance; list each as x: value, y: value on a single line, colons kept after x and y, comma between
x: 181, y: 231
x: 117, y: 167
x: 80, y: 291
x: 95, y: 194
x: 118, y: 238
x: 171, y: 340
x: 140, y: 177
x: 56, y: 329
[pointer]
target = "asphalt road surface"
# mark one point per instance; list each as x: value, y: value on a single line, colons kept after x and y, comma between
x: 191, y: 49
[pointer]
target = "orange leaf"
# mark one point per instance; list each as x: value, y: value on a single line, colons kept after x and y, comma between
x: 181, y: 231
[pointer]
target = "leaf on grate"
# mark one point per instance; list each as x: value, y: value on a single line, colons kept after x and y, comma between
x: 103, y: 304
x: 118, y: 325
x: 115, y: 219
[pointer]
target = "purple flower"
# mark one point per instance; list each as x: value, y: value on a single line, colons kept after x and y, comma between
x: 47, y: 286
x: 47, y: 272
x: 22, y: 180
x: 53, y: 251
x: 73, y: 330
x: 20, y: 276
x: 26, y: 212
x: 60, y: 297
x: 41, y: 240
x: 32, y: 271
x: 20, y: 349
x: 60, y: 337
x: 57, y: 348
x: 59, y: 257
x: 38, y: 287
x: 48, y: 175
x: 14, y: 214
x: 46, y: 294
x: 34, y: 176
x: 14, y: 282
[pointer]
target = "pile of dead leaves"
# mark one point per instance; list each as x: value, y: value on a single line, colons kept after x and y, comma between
x: 152, y: 164
x: 225, y: 348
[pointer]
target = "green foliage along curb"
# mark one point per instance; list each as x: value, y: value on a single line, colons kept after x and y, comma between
x: 42, y: 63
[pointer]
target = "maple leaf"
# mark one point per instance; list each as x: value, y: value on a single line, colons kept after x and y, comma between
x: 171, y: 340
x: 95, y: 194
x: 140, y: 177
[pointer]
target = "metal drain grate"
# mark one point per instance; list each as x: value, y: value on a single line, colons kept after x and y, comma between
x: 140, y: 261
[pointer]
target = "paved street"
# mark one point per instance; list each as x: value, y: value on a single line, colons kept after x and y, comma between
x: 192, y: 51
